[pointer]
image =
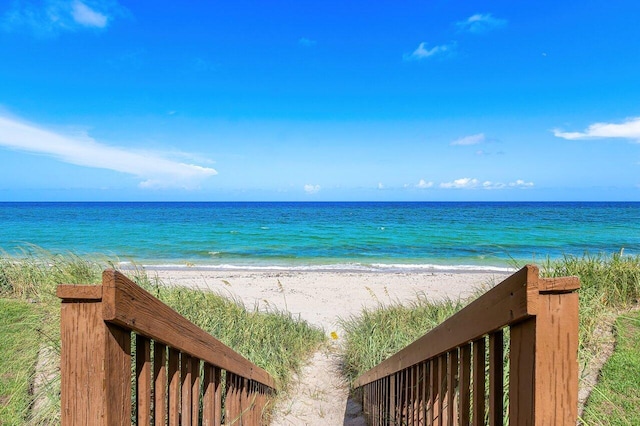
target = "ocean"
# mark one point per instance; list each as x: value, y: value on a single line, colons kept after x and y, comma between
x: 362, y: 236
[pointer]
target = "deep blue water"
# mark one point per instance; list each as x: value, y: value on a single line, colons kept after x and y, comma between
x: 324, y: 235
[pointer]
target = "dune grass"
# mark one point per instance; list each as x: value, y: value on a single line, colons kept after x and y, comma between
x: 610, y: 284
x: 616, y: 397
x: 276, y: 341
x: 19, y: 344
x: 377, y: 333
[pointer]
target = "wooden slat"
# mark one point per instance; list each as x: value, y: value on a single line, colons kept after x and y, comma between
x: 558, y: 284
x: 392, y: 399
x: 128, y: 305
x: 496, y: 380
x: 425, y: 391
x: 210, y: 404
x: 217, y: 396
x: 195, y: 391
x: 504, y: 304
x: 143, y: 379
x: 522, y: 372
x: 174, y: 387
x: 160, y: 383
x: 79, y: 292
x: 478, y: 381
x: 452, y: 378
x: 465, y: 385
x: 433, y: 390
x: 185, y: 385
x: 442, y: 383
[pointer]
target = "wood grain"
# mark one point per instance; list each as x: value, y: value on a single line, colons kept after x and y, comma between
x: 130, y: 306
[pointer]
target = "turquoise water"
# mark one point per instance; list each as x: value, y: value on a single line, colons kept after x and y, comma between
x: 355, y: 236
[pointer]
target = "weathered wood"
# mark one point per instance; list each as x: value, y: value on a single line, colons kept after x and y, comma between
x: 70, y: 292
x: 522, y: 372
x: 452, y: 378
x: 542, y: 314
x: 464, y: 400
x: 442, y: 383
x: 212, y: 396
x: 95, y: 366
x: 128, y: 305
x: 195, y: 391
x: 496, y: 381
x: 174, y: 387
x: 185, y: 386
x: 558, y: 285
x: 506, y: 303
x: 556, y: 381
x: 479, y: 362
x: 143, y: 379
x: 160, y: 383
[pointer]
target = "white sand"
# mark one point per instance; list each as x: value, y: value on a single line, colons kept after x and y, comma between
x: 321, y: 298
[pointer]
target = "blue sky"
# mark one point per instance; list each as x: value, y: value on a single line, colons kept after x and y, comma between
x: 319, y: 100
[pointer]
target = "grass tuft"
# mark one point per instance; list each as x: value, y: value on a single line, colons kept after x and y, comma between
x: 275, y: 340
x: 377, y: 333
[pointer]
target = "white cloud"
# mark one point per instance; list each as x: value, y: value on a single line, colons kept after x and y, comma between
x: 155, y: 171
x: 306, y: 42
x: 463, y: 183
x: 49, y: 17
x: 422, y: 52
x: 480, y: 23
x: 629, y: 129
x: 380, y: 185
x: 88, y: 17
x: 423, y: 184
x: 521, y: 184
x: 470, y: 140
x: 469, y: 183
x: 311, y: 189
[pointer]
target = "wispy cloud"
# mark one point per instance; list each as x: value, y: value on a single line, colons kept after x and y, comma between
x: 469, y: 140
x: 462, y: 183
x: 423, y: 184
x: 629, y: 129
x: 154, y: 170
x: 88, y: 17
x: 49, y: 17
x: 306, y: 42
x: 423, y: 52
x: 311, y: 189
x: 472, y: 183
x: 480, y: 23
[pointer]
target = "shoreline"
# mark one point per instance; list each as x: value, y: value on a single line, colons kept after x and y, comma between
x: 348, y: 267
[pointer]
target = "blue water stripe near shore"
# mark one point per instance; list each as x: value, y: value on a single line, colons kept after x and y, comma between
x: 333, y: 236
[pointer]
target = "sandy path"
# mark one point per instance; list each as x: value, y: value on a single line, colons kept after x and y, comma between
x: 319, y: 396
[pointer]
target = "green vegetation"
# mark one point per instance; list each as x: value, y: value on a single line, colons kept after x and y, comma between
x: 19, y: 344
x: 609, y: 285
x: 276, y: 341
x: 378, y: 333
x: 616, y: 397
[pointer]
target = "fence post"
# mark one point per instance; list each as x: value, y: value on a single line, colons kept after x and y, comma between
x: 95, y: 361
x: 543, y: 384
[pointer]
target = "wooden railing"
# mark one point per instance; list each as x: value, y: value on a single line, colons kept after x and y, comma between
x: 441, y: 378
x: 182, y: 374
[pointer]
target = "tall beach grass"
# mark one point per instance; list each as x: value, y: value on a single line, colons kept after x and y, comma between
x: 610, y: 284
x: 275, y: 340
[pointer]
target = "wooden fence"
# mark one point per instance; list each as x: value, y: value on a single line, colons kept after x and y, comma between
x: 183, y: 376
x: 441, y: 378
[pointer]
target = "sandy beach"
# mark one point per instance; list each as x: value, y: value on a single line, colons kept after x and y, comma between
x: 319, y: 396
